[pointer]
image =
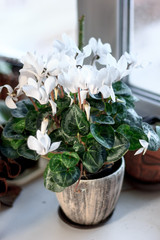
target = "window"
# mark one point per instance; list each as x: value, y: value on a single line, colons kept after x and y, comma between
x: 145, y: 44
x: 130, y: 25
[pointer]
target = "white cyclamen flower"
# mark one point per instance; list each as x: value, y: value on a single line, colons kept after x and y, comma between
x: 144, y: 145
x: 33, y: 90
x: 99, y: 48
x: 66, y: 46
x: 11, y: 98
x: 42, y: 143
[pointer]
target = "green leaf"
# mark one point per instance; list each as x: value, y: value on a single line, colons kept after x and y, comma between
x: 69, y: 159
x: 120, y: 88
x: 22, y: 108
x: 5, y: 113
x: 62, y: 175
x: 25, y: 152
x: 154, y: 141
x: 9, y: 130
x: 60, y: 135
x: 132, y: 118
x: 133, y: 134
x: 158, y: 131
x: 63, y: 103
x: 94, y: 103
x: 94, y: 157
x: 119, y: 110
x: 74, y: 121
x: 104, y: 134
x: 79, y: 148
x: 16, y: 143
x: 120, y: 147
x: 19, y: 125
x: 108, y: 108
x: 9, y: 152
x: 103, y: 119
x: 31, y: 120
x: 49, y: 183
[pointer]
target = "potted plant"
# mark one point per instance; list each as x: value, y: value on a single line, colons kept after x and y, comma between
x: 81, y: 118
x: 145, y: 168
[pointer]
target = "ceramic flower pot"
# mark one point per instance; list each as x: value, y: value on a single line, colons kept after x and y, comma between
x: 145, y: 168
x: 95, y: 200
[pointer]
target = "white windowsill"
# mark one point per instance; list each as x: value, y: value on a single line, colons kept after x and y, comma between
x: 34, y: 217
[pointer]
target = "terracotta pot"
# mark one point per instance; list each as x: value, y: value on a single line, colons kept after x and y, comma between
x: 95, y: 200
x: 145, y: 168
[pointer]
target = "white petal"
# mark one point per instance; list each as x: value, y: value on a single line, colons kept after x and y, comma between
x: 87, y: 109
x: 30, y: 91
x: 34, y: 144
x: 83, y: 95
x: 44, y: 140
x: 105, y: 91
x: 44, y: 96
x: 53, y: 106
x: 93, y: 44
x: 32, y: 82
x: 54, y: 146
x: 144, y: 143
x: 49, y: 84
x: 112, y: 94
x: 122, y: 63
x: 10, y: 103
x: 111, y: 60
x: 44, y: 125
x: 9, y: 88
x: 139, y: 151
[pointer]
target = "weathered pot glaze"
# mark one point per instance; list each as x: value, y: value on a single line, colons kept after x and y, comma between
x: 96, y: 199
x: 145, y: 168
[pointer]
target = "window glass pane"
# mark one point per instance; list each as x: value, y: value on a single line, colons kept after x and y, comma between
x: 29, y: 25
x: 146, y: 44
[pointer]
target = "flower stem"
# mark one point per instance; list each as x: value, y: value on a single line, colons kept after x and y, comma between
x: 62, y: 92
x: 75, y: 98
x: 79, y: 97
x: 81, y: 170
x: 35, y: 106
x: 81, y: 33
x: 52, y: 95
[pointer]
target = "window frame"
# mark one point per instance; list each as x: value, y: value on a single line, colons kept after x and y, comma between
x: 149, y: 102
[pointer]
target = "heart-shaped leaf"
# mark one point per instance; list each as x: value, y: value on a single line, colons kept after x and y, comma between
x: 74, y: 121
x: 94, y: 157
x: 154, y: 141
x: 25, y: 152
x: 49, y: 183
x: 120, y: 147
x: 104, y: 134
x: 133, y: 134
x: 103, y: 119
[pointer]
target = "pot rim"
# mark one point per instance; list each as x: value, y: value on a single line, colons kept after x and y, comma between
x: 120, y: 169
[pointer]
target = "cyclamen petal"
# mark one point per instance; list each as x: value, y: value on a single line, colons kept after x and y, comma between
x: 49, y: 84
x: 139, y: 151
x: 34, y: 144
x: 144, y: 143
x: 44, y: 125
x: 53, y: 106
x: 31, y: 91
x: 9, y: 88
x: 87, y: 109
x: 10, y: 103
x: 54, y: 146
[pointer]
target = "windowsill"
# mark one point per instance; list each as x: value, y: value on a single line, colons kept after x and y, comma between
x: 34, y: 216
